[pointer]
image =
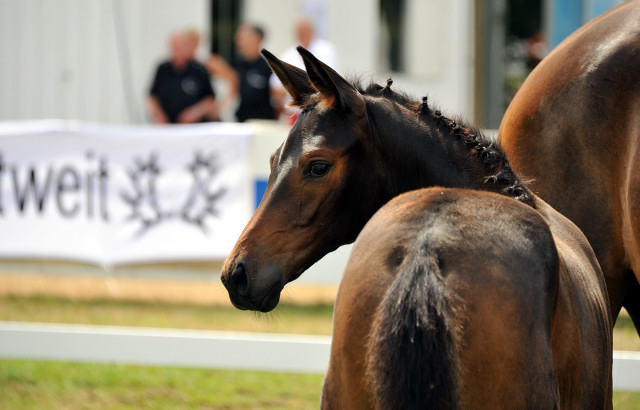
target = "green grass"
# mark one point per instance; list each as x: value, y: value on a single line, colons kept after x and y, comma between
x: 314, y: 320
x: 626, y: 400
x: 49, y: 385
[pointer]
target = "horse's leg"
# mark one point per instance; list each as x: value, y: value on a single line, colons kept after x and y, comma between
x: 617, y: 289
x: 361, y: 290
x: 632, y: 299
x: 629, y: 212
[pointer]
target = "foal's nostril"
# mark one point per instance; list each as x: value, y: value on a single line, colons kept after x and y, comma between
x: 240, y: 280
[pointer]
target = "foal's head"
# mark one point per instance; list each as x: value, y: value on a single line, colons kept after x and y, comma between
x: 349, y: 152
x: 316, y: 198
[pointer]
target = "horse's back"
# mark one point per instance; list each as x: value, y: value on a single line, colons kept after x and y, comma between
x: 483, y: 268
x: 574, y: 129
x: 581, y: 80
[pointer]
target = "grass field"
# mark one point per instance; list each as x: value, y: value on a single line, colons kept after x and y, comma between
x: 46, y: 385
x: 287, y: 318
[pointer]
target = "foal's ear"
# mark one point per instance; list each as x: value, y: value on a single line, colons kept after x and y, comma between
x: 335, y: 90
x: 295, y: 80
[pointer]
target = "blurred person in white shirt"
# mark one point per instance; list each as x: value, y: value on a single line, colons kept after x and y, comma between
x: 322, y: 49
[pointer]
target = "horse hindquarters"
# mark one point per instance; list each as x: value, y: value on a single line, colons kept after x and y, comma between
x: 451, y: 292
x: 457, y: 343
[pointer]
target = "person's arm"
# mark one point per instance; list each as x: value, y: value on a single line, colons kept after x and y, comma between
x: 158, y: 115
x: 196, y: 112
x: 219, y: 68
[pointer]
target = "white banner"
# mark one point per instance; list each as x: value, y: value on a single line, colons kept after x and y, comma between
x: 112, y: 195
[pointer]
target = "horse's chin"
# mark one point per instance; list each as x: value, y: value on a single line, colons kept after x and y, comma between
x: 270, y: 301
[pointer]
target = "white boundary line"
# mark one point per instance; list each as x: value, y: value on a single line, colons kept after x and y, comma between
x: 203, y: 349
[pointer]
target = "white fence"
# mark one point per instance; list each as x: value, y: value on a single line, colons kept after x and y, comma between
x: 208, y: 349
x: 164, y: 347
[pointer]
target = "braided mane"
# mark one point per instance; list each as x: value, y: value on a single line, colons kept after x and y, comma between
x: 499, y: 171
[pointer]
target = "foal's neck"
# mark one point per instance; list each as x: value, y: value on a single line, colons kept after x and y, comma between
x: 424, y: 148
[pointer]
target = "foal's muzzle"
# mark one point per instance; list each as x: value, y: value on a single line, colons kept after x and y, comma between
x: 257, y: 290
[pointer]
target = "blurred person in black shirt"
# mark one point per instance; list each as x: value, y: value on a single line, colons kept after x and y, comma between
x: 248, y: 81
x: 181, y: 91
x: 253, y: 72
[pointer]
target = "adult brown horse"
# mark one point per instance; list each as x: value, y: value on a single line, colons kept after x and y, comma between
x: 474, y: 295
x: 574, y: 127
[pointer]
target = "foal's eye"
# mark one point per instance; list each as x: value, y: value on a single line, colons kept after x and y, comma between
x: 318, y: 169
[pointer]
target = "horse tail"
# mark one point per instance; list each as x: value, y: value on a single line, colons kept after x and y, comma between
x: 412, y: 355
